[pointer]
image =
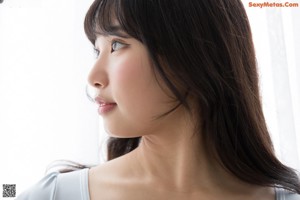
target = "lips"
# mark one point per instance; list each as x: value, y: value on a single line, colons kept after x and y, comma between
x: 104, y: 106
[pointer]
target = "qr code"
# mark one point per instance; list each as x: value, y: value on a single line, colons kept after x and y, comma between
x: 9, y: 190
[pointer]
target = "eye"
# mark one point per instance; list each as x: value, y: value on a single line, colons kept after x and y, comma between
x: 116, y: 45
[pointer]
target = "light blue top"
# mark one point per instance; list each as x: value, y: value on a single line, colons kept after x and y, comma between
x: 74, y: 186
x: 60, y: 186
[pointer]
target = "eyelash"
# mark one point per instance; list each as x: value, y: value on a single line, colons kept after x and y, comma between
x: 117, y: 42
x: 113, y: 42
x: 96, y: 52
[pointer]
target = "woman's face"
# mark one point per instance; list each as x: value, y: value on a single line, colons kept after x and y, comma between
x: 130, y: 97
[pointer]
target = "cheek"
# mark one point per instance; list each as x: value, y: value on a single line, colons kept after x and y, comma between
x: 135, y: 87
x: 130, y: 76
x: 139, y: 97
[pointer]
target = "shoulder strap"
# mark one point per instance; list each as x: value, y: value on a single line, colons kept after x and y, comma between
x: 72, y: 185
x: 282, y: 194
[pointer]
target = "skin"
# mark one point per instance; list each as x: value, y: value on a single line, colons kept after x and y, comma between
x: 170, y: 162
x: 125, y: 77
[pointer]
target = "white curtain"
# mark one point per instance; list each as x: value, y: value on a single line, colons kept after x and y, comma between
x: 45, y: 115
x: 276, y: 34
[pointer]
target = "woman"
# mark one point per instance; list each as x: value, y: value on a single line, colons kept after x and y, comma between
x: 178, y: 92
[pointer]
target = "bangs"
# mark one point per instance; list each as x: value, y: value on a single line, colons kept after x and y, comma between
x: 106, y: 17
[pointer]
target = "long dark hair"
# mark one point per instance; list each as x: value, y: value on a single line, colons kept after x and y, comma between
x: 205, y: 49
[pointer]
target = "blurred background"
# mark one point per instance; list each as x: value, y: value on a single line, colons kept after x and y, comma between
x: 45, y: 59
x: 44, y: 113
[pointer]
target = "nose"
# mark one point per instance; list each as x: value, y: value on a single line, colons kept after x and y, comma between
x: 98, y: 75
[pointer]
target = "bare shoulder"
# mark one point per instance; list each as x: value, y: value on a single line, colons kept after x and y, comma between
x: 106, y: 172
x: 103, y: 179
x: 112, y: 180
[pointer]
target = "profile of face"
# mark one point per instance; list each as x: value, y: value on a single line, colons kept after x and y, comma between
x: 131, y: 96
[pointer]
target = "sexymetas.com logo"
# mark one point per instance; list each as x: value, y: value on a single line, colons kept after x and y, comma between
x: 273, y: 4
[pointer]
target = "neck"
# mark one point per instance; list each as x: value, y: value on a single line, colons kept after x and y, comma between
x: 176, y: 160
x: 173, y: 164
